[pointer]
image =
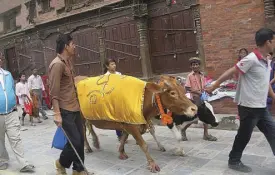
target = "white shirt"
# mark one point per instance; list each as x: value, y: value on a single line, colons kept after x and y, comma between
x: 108, y: 73
x: 35, y: 82
x: 22, y: 89
x: 2, y: 73
x: 253, y: 86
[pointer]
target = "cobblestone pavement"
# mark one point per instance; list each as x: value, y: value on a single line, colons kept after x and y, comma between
x: 203, y: 157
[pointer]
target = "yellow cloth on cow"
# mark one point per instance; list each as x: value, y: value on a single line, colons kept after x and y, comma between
x: 113, y: 98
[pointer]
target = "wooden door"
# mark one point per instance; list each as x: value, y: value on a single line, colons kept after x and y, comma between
x: 12, y: 62
x: 87, y: 60
x: 122, y: 44
x: 172, y: 42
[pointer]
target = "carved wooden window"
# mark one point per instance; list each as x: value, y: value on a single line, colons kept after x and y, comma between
x: 10, y: 22
x: 44, y: 6
x: 31, y: 6
x: 77, y: 1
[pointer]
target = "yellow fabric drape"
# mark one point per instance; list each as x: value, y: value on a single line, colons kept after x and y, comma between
x: 113, y: 98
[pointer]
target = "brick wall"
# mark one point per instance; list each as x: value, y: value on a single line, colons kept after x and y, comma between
x: 228, y: 26
x: 225, y: 106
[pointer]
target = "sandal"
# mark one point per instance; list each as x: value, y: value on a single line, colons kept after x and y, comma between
x: 210, y: 138
x: 27, y: 169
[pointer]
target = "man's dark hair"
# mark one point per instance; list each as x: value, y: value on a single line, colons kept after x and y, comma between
x: 263, y: 35
x: 62, y: 41
x: 20, y: 75
x: 107, y: 63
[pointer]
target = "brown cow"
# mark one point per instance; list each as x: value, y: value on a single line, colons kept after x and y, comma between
x: 172, y: 97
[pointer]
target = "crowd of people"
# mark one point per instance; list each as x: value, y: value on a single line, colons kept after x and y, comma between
x: 255, y: 72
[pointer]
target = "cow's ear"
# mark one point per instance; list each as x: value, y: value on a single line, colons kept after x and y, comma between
x: 155, y: 88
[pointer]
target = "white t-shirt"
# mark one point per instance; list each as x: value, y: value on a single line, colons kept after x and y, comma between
x: 35, y: 82
x: 253, y: 85
x: 108, y: 73
x: 22, y: 89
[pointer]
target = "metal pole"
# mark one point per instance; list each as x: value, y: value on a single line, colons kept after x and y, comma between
x: 85, y: 169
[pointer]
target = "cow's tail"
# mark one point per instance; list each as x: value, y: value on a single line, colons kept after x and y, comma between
x: 89, y: 125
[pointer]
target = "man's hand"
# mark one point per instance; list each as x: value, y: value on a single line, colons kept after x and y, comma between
x: 210, y: 89
x: 58, y: 119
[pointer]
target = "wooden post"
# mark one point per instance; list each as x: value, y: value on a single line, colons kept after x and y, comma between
x: 102, y: 47
x: 142, y: 25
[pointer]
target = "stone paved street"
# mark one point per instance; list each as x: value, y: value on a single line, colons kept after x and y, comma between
x: 203, y: 158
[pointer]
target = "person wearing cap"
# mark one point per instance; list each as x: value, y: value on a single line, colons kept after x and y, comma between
x: 9, y: 122
x: 195, y: 84
x: 251, y: 96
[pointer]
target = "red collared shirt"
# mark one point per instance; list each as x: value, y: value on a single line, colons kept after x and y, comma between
x: 195, y: 81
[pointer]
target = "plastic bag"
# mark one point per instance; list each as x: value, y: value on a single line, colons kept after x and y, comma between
x: 204, y: 96
x: 28, y: 106
x: 59, y: 139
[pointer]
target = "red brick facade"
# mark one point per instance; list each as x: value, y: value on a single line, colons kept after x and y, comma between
x: 228, y: 26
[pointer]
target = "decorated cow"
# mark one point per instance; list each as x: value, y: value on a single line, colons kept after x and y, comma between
x: 119, y: 102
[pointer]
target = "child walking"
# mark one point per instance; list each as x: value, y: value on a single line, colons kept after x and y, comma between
x: 195, y: 84
x: 110, y: 68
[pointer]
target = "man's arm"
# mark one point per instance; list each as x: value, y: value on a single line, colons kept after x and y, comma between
x: 17, y: 90
x: 271, y: 93
x: 42, y: 84
x: 54, y: 79
x: 225, y: 76
x: 29, y: 83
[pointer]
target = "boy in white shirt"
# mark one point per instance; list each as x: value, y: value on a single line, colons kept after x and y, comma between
x: 23, y: 94
x: 110, y: 68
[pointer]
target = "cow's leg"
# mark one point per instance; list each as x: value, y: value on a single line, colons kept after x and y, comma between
x: 122, y: 154
x: 176, y: 130
x: 134, y: 130
x: 152, y: 132
x: 88, y: 149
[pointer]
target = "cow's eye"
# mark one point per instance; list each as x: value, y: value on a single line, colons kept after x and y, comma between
x: 173, y: 93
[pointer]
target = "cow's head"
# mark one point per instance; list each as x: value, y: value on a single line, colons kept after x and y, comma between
x: 172, y: 96
x: 206, y: 114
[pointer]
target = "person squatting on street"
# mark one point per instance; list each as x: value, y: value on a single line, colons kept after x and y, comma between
x: 252, y: 91
x: 66, y: 106
x: 9, y: 122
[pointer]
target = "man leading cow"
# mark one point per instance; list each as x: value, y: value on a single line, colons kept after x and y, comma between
x: 252, y: 91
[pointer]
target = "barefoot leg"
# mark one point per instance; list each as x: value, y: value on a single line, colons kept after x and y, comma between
x: 122, y: 154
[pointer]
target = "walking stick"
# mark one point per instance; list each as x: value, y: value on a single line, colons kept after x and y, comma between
x: 85, y: 169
